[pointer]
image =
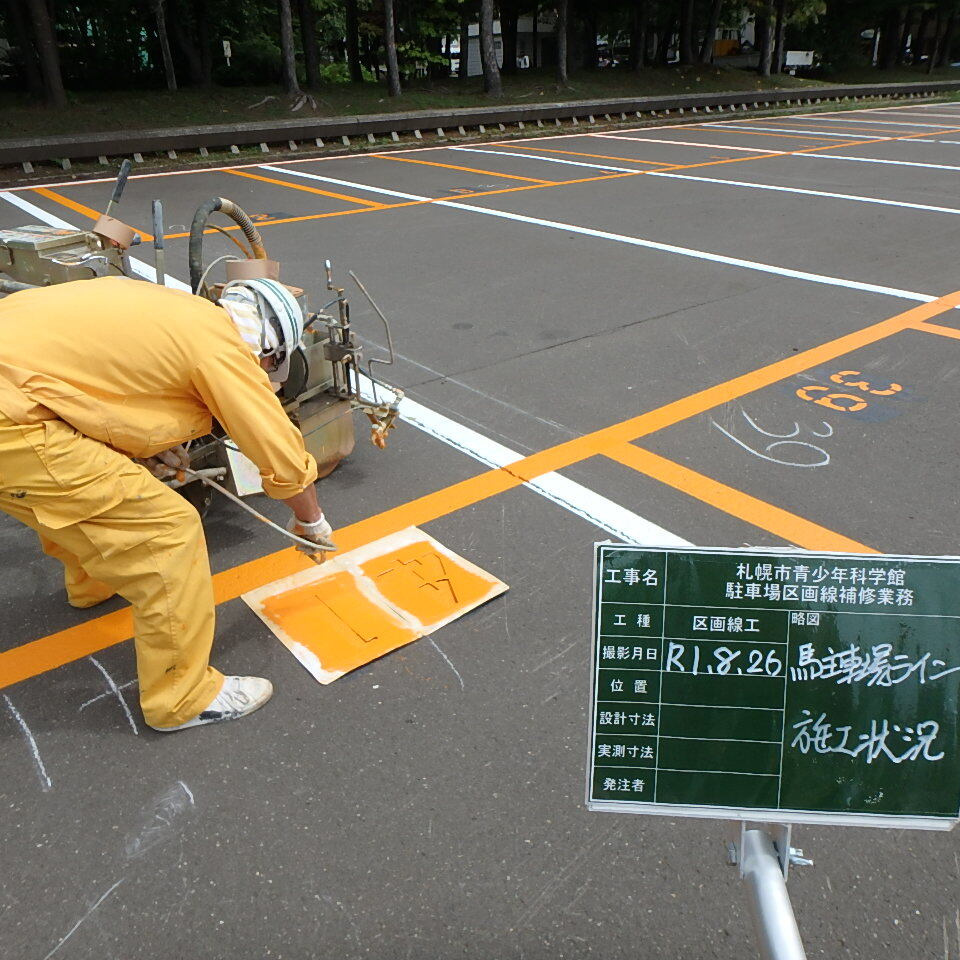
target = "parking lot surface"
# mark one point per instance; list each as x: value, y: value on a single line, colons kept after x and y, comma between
x: 679, y: 334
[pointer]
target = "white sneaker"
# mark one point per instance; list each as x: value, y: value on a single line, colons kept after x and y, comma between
x: 237, y: 697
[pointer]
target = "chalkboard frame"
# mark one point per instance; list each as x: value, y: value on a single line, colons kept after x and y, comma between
x: 735, y: 813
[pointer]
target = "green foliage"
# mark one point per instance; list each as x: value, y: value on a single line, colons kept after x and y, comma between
x: 339, y: 72
x: 114, y: 43
x: 255, y: 60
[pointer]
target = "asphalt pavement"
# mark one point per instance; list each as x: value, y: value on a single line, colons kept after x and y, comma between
x: 540, y: 291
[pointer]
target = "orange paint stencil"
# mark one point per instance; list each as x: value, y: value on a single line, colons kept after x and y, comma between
x: 361, y: 605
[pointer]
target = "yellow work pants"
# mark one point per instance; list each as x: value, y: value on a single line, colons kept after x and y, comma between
x: 117, y: 529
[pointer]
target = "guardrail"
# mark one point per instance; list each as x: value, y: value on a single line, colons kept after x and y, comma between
x: 318, y: 132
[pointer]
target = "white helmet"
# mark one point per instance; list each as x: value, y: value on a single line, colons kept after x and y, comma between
x: 279, y: 313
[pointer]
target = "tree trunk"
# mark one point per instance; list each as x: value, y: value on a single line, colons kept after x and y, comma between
x: 161, y: 18
x: 26, y: 54
x: 390, y: 48
x: 889, y: 40
x: 937, y: 42
x: 200, y: 9
x: 48, y: 54
x: 353, y: 42
x: 666, y: 35
x: 183, y: 37
x: 561, y: 28
x: 780, y: 37
x: 288, y: 56
x: 946, y: 44
x: 921, y: 39
x: 706, y: 48
x: 905, y: 33
x: 638, y: 36
x: 686, y: 32
x: 764, y: 28
x: 589, y: 52
x: 535, y: 41
x: 463, y: 71
x: 509, y: 14
x: 308, y: 37
x: 491, y: 72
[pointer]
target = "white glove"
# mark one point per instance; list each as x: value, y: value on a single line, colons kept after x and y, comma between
x: 167, y: 463
x: 317, y: 532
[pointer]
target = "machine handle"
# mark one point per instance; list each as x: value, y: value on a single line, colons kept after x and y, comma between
x: 119, y: 185
x: 157, y: 209
x: 159, y: 257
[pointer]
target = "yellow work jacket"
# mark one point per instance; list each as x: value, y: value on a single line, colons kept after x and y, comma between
x: 142, y: 368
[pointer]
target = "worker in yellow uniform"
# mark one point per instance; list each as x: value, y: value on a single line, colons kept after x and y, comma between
x: 96, y: 372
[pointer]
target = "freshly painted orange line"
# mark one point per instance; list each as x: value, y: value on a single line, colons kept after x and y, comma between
x: 54, y: 650
x: 416, y: 203
x: 453, y: 166
x: 88, y: 637
x: 792, y: 153
x: 758, y: 513
x: 80, y: 208
x: 305, y: 189
x: 541, y: 185
x: 670, y: 414
x: 937, y: 328
x: 575, y: 153
x: 792, y: 136
x: 279, y: 221
x: 840, y: 129
x: 65, y: 646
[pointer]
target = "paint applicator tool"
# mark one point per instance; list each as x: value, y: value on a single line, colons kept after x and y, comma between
x: 316, y: 551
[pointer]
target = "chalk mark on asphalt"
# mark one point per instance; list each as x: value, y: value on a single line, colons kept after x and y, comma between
x: 102, y: 696
x: 448, y: 661
x: 45, y: 782
x: 115, y: 690
x: 77, y: 925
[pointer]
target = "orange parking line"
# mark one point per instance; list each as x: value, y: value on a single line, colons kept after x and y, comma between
x: 794, y: 136
x: 792, y: 153
x: 88, y: 637
x: 453, y: 166
x: 543, y: 184
x: 572, y: 451
x: 788, y: 526
x: 48, y: 652
x: 575, y: 153
x: 938, y: 329
x: 280, y: 221
x: 80, y: 208
x: 841, y: 129
x: 305, y: 188
x: 537, y: 185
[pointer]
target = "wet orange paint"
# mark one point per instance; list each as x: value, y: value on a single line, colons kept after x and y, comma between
x: 333, y: 619
x: 426, y: 584
x: 369, y: 601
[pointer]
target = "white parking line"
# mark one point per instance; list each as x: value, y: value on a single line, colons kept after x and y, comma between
x: 803, y: 131
x: 896, y: 163
x: 685, y: 143
x: 572, y: 496
x: 952, y: 116
x: 885, y: 123
x: 585, y: 503
x: 931, y: 208
x: 809, y: 193
x: 639, y: 241
x: 530, y: 156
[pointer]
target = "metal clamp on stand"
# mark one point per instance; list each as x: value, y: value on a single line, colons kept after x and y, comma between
x: 764, y: 856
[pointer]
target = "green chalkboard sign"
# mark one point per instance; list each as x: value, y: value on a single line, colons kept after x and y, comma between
x: 793, y: 687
